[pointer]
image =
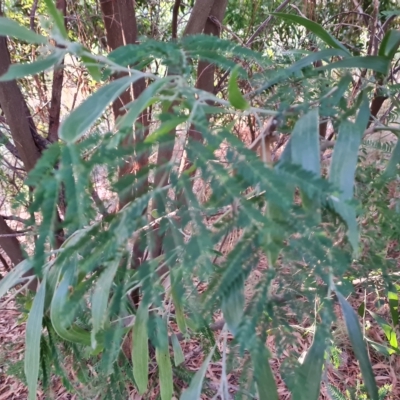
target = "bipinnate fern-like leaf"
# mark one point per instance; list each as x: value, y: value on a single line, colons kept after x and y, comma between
x: 249, y: 215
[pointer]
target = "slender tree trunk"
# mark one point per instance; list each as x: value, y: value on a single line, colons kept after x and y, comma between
x: 9, y: 243
x: 56, y: 91
x: 206, y: 70
x: 121, y: 29
x: 199, y: 22
x: 198, y: 16
x: 14, y: 107
x: 28, y: 142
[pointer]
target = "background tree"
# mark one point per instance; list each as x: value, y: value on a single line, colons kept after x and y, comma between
x: 142, y: 221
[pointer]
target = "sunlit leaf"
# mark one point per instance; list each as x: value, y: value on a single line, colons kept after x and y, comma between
x: 394, y: 307
x: 358, y: 346
x: 11, y: 28
x: 232, y: 308
x: 179, y: 357
x: 84, y: 116
x: 16, y: 71
x: 373, y: 63
x: 140, y: 348
x: 310, y: 372
x: 194, y: 389
x: 234, y: 94
x: 164, y: 372
x: 57, y: 17
x: 32, y: 341
x: 266, y: 385
x: 389, y: 331
x: 13, y: 277
x: 380, y: 348
x: 315, y: 28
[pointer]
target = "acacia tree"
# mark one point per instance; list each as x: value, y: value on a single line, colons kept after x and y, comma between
x: 162, y: 227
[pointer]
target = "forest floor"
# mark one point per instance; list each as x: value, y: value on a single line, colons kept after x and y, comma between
x: 345, y: 374
x: 342, y: 374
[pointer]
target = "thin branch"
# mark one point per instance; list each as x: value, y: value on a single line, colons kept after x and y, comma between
x: 9, y: 146
x: 249, y: 42
x: 387, y: 23
x: 21, y: 233
x: 175, y: 14
x: 5, y: 263
x: 15, y: 218
x: 32, y: 15
x: 265, y: 23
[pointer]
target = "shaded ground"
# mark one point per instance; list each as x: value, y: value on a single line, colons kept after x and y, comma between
x: 342, y: 373
x: 346, y: 375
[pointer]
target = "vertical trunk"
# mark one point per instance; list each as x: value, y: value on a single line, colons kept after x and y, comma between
x: 14, y: 107
x: 28, y: 142
x: 206, y: 70
x: 376, y: 105
x: 9, y: 243
x: 56, y: 91
x: 199, y: 22
x: 121, y: 29
x: 199, y: 15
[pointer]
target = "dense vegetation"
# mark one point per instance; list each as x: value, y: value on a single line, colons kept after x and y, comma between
x: 156, y: 155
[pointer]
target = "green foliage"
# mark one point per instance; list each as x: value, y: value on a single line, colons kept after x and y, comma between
x: 357, y: 393
x: 87, y: 284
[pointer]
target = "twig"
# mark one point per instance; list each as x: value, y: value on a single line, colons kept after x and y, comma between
x: 22, y: 233
x: 175, y: 14
x: 5, y: 263
x: 249, y: 42
x: 15, y: 218
x: 32, y: 15
x: 265, y: 23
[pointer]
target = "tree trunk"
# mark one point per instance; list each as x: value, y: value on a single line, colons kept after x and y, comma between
x: 56, y: 91
x: 206, y: 70
x: 14, y: 107
x: 28, y: 142
x: 10, y: 244
x: 199, y: 15
x: 121, y: 29
x: 198, y: 23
